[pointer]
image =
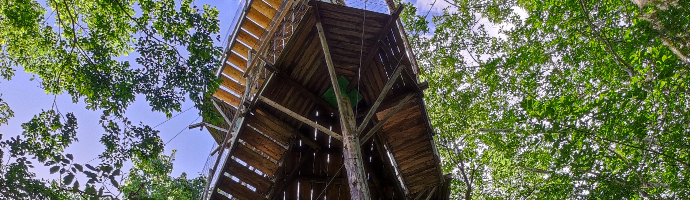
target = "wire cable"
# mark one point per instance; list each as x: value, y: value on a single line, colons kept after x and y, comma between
x: 184, y: 128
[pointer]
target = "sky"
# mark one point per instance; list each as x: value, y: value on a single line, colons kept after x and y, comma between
x: 27, y: 99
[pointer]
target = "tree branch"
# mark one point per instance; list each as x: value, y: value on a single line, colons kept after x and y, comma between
x: 604, y: 40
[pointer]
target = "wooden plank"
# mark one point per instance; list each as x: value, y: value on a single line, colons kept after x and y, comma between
x: 420, y: 160
x: 255, y: 160
x: 405, y: 155
x: 421, y: 175
x: 260, y: 19
x: 431, y: 193
x: 248, y: 39
x: 237, y: 190
x: 299, y: 117
x: 315, y: 66
x: 264, y: 8
x: 288, y: 183
x: 385, y: 118
x: 355, y: 12
x: 279, y: 136
x: 274, y: 123
x: 232, y: 85
x: 279, y: 126
x: 307, y: 54
x: 389, y: 167
x: 262, y: 143
x: 366, y: 35
x: 302, y: 31
x: 380, y: 74
x: 218, y: 196
x: 241, y: 49
x: 400, y: 140
x: 409, y: 117
x: 227, y: 97
x: 234, y: 73
x: 384, y: 31
x: 414, y: 149
x: 305, y: 93
x: 253, y: 28
x: 274, y: 3
x: 238, y: 61
x: 380, y: 98
x: 333, y: 20
x: 404, y: 123
x: 261, y: 183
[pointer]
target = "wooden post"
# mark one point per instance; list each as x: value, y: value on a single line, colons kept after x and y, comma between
x: 352, y: 153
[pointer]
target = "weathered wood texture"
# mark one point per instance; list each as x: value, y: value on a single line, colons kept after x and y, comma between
x: 281, y: 155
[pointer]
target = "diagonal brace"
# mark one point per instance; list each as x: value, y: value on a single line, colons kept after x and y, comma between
x: 300, y: 118
x: 378, y: 101
x: 385, y: 118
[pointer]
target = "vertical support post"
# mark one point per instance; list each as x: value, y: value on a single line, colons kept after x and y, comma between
x: 352, y: 153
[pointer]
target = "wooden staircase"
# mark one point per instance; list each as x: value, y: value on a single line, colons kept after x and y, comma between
x: 251, y: 27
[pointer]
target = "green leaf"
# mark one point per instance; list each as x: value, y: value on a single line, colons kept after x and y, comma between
x: 79, y: 167
x: 90, y: 167
x: 114, y: 182
x: 75, y: 187
x: 68, y: 179
x: 54, y: 169
x: 116, y: 172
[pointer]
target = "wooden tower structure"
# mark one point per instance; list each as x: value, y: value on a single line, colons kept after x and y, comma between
x: 321, y: 101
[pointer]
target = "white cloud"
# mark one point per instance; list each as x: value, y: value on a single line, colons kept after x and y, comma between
x: 423, y: 6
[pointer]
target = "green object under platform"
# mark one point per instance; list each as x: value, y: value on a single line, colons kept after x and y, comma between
x: 354, y: 95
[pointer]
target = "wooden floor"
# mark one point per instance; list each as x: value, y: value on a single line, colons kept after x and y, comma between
x: 277, y: 156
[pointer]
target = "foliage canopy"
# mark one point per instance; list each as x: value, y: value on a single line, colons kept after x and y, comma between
x: 572, y: 99
x: 79, y: 48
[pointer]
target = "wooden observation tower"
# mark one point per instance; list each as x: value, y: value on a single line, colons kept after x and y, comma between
x: 321, y: 101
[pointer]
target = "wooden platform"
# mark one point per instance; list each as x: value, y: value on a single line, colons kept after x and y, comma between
x: 278, y: 156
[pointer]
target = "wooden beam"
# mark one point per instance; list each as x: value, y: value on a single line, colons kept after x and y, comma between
x: 208, y: 125
x: 226, y: 139
x: 378, y: 101
x: 385, y: 118
x: 236, y: 189
x: 220, y: 110
x: 390, y: 168
x: 389, y: 102
x: 260, y: 182
x: 321, y: 179
x: 306, y: 93
x: 300, y: 117
x: 431, y: 193
x: 289, y: 179
x: 289, y: 130
x: 352, y: 153
x: 374, y: 49
x: 419, y: 196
